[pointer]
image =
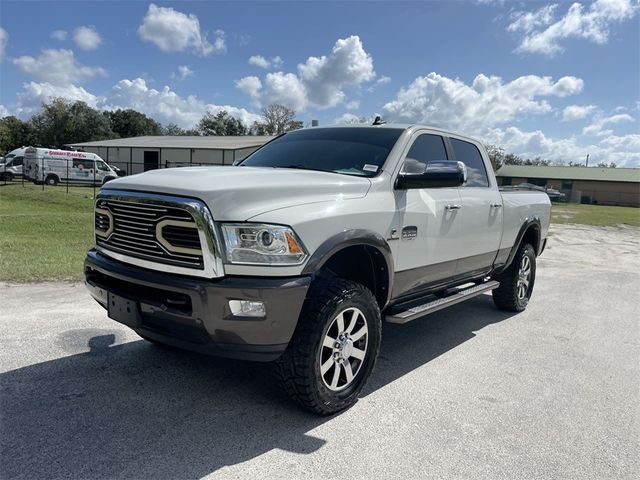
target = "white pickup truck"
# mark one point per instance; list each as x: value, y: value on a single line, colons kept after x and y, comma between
x: 299, y: 253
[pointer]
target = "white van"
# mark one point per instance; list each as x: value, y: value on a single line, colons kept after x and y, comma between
x: 11, y: 164
x: 54, y: 166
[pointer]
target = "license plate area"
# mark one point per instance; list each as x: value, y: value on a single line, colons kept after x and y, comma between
x: 123, y: 310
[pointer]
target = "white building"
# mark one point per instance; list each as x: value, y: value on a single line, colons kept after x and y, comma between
x: 139, y: 154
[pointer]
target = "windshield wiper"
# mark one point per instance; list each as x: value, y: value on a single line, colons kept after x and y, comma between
x: 301, y: 167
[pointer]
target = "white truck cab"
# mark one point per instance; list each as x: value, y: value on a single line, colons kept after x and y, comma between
x: 51, y: 166
x: 11, y: 164
x: 299, y: 253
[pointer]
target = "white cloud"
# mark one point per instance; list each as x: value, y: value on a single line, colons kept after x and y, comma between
x: 528, y: 21
x: 250, y: 86
x: 383, y: 80
x: 262, y: 62
x: 166, y: 105
x: 349, y: 119
x: 183, y: 72
x: 623, y: 150
x: 259, y: 61
x: 353, y: 105
x: 441, y: 101
x: 319, y: 80
x: 34, y: 94
x: 576, y: 112
x: 58, y: 67
x: 60, y: 35
x: 596, y: 127
x: 173, y: 31
x: 87, y: 38
x: 4, y: 112
x: 543, y: 33
x: 4, y: 38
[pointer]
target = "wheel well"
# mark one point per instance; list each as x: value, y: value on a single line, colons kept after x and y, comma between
x: 532, y: 236
x: 363, y: 264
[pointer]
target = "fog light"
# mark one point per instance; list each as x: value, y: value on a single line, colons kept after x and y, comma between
x: 247, y: 308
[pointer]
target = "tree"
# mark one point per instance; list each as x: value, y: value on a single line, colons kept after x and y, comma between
x: 604, y: 165
x: 221, y: 124
x: 14, y: 133
x: 278, y: 119
x: 496, y: 155
x: 62, y: 122
x: 130, y: 123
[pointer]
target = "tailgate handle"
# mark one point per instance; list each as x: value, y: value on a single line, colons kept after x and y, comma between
x: 496, y: 205
x: 453, y: 207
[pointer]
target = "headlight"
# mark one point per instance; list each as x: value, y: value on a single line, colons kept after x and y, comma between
x: 259, y: 244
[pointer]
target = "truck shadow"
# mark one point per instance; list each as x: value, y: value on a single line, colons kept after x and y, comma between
x: 138, y: 411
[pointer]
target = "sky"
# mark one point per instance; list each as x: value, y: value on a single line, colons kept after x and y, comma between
x: 558, y: 80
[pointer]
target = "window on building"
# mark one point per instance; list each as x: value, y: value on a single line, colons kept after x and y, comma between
x: 541, y: 182
x: 469, y: 154
x: 567, y: 185
x: 506, y: 180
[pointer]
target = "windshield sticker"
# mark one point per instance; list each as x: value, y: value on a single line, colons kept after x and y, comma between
x: 370, y: 168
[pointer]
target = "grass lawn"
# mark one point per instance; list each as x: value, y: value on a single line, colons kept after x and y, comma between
x: 594, y: 214
x: 44, y: 235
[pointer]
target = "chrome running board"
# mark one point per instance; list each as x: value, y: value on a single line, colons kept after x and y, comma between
x: 426, y: 308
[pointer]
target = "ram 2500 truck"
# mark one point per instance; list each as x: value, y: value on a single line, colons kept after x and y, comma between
x: 298, y: 254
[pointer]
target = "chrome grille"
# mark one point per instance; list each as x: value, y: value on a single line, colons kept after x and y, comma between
x: 137, y: 229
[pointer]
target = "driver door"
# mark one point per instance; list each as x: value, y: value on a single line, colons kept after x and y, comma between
x: 427, y: 223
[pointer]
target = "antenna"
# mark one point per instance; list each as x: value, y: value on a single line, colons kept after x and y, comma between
x: 378, y: 120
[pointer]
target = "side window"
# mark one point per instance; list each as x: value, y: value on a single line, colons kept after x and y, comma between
x: 425, y: 149
x: 17, y: 161
x: 101, y: 166
x: 469, y: 154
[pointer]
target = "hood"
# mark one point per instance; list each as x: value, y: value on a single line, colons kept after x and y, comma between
x: 239, y: 193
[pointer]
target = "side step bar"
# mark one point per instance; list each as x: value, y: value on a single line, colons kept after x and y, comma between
x: 435, y: 305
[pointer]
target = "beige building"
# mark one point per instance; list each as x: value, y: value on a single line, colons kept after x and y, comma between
x: 595, y: 185
x: 139, y: 154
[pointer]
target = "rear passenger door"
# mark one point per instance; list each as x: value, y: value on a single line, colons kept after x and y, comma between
x: 480, y: 212
x: 427, y: 223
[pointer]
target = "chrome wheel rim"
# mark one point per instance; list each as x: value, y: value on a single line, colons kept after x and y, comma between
x: 524, y: 278
x: 343, y: 349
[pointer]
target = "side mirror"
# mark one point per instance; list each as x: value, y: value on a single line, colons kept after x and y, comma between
x: 440, y: 174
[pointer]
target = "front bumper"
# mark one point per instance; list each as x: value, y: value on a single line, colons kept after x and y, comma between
x: 194, y: 313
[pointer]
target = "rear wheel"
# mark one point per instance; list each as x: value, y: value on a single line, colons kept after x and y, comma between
x: 51, y: 180
x: 516, y: 282
x: 334, y: 348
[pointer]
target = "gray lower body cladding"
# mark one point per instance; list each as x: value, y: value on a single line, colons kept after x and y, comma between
x: 194, y: 313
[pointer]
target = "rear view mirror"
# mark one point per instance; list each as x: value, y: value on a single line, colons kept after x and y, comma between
x: 439, y: 174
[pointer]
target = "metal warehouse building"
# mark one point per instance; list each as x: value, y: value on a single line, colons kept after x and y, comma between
x: 139, y: 154
x: 604, y: 186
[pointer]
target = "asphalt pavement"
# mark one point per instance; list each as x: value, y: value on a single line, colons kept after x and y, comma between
x: 468, y: 392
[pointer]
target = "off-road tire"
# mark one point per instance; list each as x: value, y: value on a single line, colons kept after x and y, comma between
x: 298, y: 370
x: 51, y: 180
x: 506, y: 296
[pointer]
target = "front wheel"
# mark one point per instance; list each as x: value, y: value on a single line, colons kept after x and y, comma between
x: 51, y: 180
x: 516, y: 282
x: 334, y: 348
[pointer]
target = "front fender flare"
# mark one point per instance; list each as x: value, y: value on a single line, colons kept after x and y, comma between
x: 349, y: 238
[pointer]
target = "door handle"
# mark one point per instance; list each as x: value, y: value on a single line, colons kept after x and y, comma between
x: 453, y: 207
x: 496, y: 205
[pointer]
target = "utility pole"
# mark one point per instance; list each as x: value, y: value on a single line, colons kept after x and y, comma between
x: 587, y: 160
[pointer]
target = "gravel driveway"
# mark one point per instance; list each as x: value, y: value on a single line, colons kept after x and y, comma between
x: 469, y: 392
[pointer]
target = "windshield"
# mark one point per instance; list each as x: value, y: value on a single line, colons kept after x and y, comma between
x: 347, y: 150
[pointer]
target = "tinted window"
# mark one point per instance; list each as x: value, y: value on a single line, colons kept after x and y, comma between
x: 469, y: 154
x: 349, y: 150
x: 426, y: 148
x: 17, y: 161
x: 101, y: 166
